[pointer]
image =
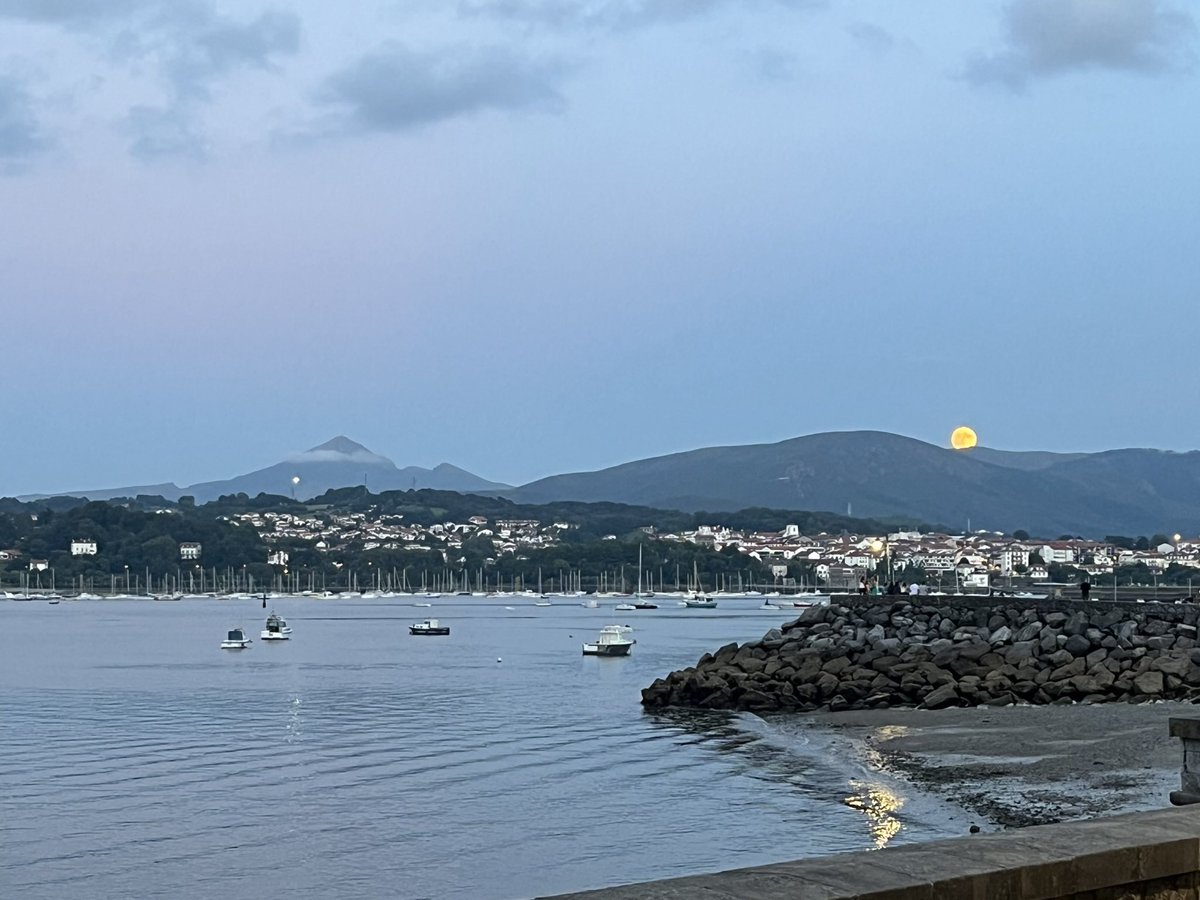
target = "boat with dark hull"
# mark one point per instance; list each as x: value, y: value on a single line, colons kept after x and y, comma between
x: 429, y: 627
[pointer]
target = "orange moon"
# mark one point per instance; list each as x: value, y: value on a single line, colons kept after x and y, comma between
x: 963, y: 438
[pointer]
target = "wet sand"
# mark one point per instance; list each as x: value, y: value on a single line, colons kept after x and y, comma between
x: 1026, y: 765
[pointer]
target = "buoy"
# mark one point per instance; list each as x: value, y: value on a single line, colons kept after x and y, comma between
x: 498, y: 659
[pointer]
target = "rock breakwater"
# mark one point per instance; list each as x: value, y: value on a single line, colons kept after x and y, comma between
x: 957, y: 652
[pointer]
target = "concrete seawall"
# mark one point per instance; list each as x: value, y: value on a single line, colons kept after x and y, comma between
x: 1140, y: 856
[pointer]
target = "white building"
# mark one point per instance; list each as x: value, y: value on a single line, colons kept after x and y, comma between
x: 83, y: 548
x: 277, y: 558
x: 189, y: 550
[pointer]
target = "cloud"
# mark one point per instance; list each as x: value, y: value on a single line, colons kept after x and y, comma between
x: 190, y: 42
x: 774, y: 64
x: 1053, y: 37
x: 608, y: 15
x: 195, y: 46
x: 872, y: 37
x: 397, y: 89
x: 20, y: 137
x: 157, y: 132
x: 72, y: 13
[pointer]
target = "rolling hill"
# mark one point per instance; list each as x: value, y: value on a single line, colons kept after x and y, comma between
x: 883, y: 475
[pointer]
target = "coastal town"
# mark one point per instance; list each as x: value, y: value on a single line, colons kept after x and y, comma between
x: 393, y: 550
x: 963, y: 560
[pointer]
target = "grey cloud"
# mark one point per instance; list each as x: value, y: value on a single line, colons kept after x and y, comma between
x: 774, y: 64
x: 191, y: 42
x: 608, y: 15
x: 20, y: 138
x: 72, y: 13
x: 872, y: 37
x: 157, y: 132
x: 397, y: 88
x: 196, y: 45
x: 208, y: 46
x: 1052, y: 37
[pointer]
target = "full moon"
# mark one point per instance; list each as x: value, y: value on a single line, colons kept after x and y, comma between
x: 963, y: 438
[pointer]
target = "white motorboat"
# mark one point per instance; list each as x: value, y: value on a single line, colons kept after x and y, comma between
x: 236, y: 640
x: 699, y: 599
x: 589, y: 603
x: 613, y: 640
x: 54, y: 600
x: 429, y: 626
x: 276, y: 629
x: 804, y: 601
x: 543, y: 600
x: 625, y: 607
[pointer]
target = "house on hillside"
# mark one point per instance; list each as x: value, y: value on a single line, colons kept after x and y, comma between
x: 189, y: 550
x: 83, y: 548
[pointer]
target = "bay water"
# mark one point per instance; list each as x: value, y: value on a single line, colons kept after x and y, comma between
x: 137, y: 759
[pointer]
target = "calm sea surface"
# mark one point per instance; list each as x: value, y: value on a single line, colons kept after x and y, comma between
x: 139, y: 760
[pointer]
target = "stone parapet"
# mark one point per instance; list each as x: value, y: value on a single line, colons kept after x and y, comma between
x: 1139, y: 856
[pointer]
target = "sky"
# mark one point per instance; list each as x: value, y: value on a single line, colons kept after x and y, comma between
x: 537, y: 236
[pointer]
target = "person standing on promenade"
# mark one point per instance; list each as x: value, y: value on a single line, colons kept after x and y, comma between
x: 1085, y: 588
x: 862, y: 586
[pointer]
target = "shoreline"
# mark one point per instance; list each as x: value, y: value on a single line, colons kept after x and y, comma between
x: 1024, y: 765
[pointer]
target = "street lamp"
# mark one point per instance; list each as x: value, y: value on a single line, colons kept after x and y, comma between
x: 295, y: 481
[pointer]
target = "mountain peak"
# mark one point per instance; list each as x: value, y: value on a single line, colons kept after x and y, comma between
x: 341, y: 444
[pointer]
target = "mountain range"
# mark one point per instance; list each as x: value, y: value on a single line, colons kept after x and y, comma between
x: 887, y: 476
x: 864, y: 473
x: 337, y: 463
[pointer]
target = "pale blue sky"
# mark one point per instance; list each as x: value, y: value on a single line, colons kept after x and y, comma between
x: 536, y: 236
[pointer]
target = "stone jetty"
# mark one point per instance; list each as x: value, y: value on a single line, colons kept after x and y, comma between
x: 936, y: 652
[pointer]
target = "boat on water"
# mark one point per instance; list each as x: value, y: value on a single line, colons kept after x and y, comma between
x: 643, y: 604
x: 542, y: 600
x: 590, y: 603
x: 276, y: 629
x: 624, y: 607
x: 54, y: 600
x: 236, y: 640
x: 613, y: 640
x: 699, y: 598
x: 429, y: 626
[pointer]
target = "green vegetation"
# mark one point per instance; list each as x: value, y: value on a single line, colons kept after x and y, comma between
x: 138, y: 543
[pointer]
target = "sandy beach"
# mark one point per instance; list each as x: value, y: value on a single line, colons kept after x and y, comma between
x: 1026, y: 765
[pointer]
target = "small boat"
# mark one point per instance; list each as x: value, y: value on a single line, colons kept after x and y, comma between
x: 699, y: 599
x: 236, y: 640
x: 422, y: 604
x: 53, y: 600
x: 542, y: 601
x: 613, y: 640
x: 644, y: 604
x: 625, y: 607
x: 276, y: 629
x: 589, y: 603
x: 429, y: 626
